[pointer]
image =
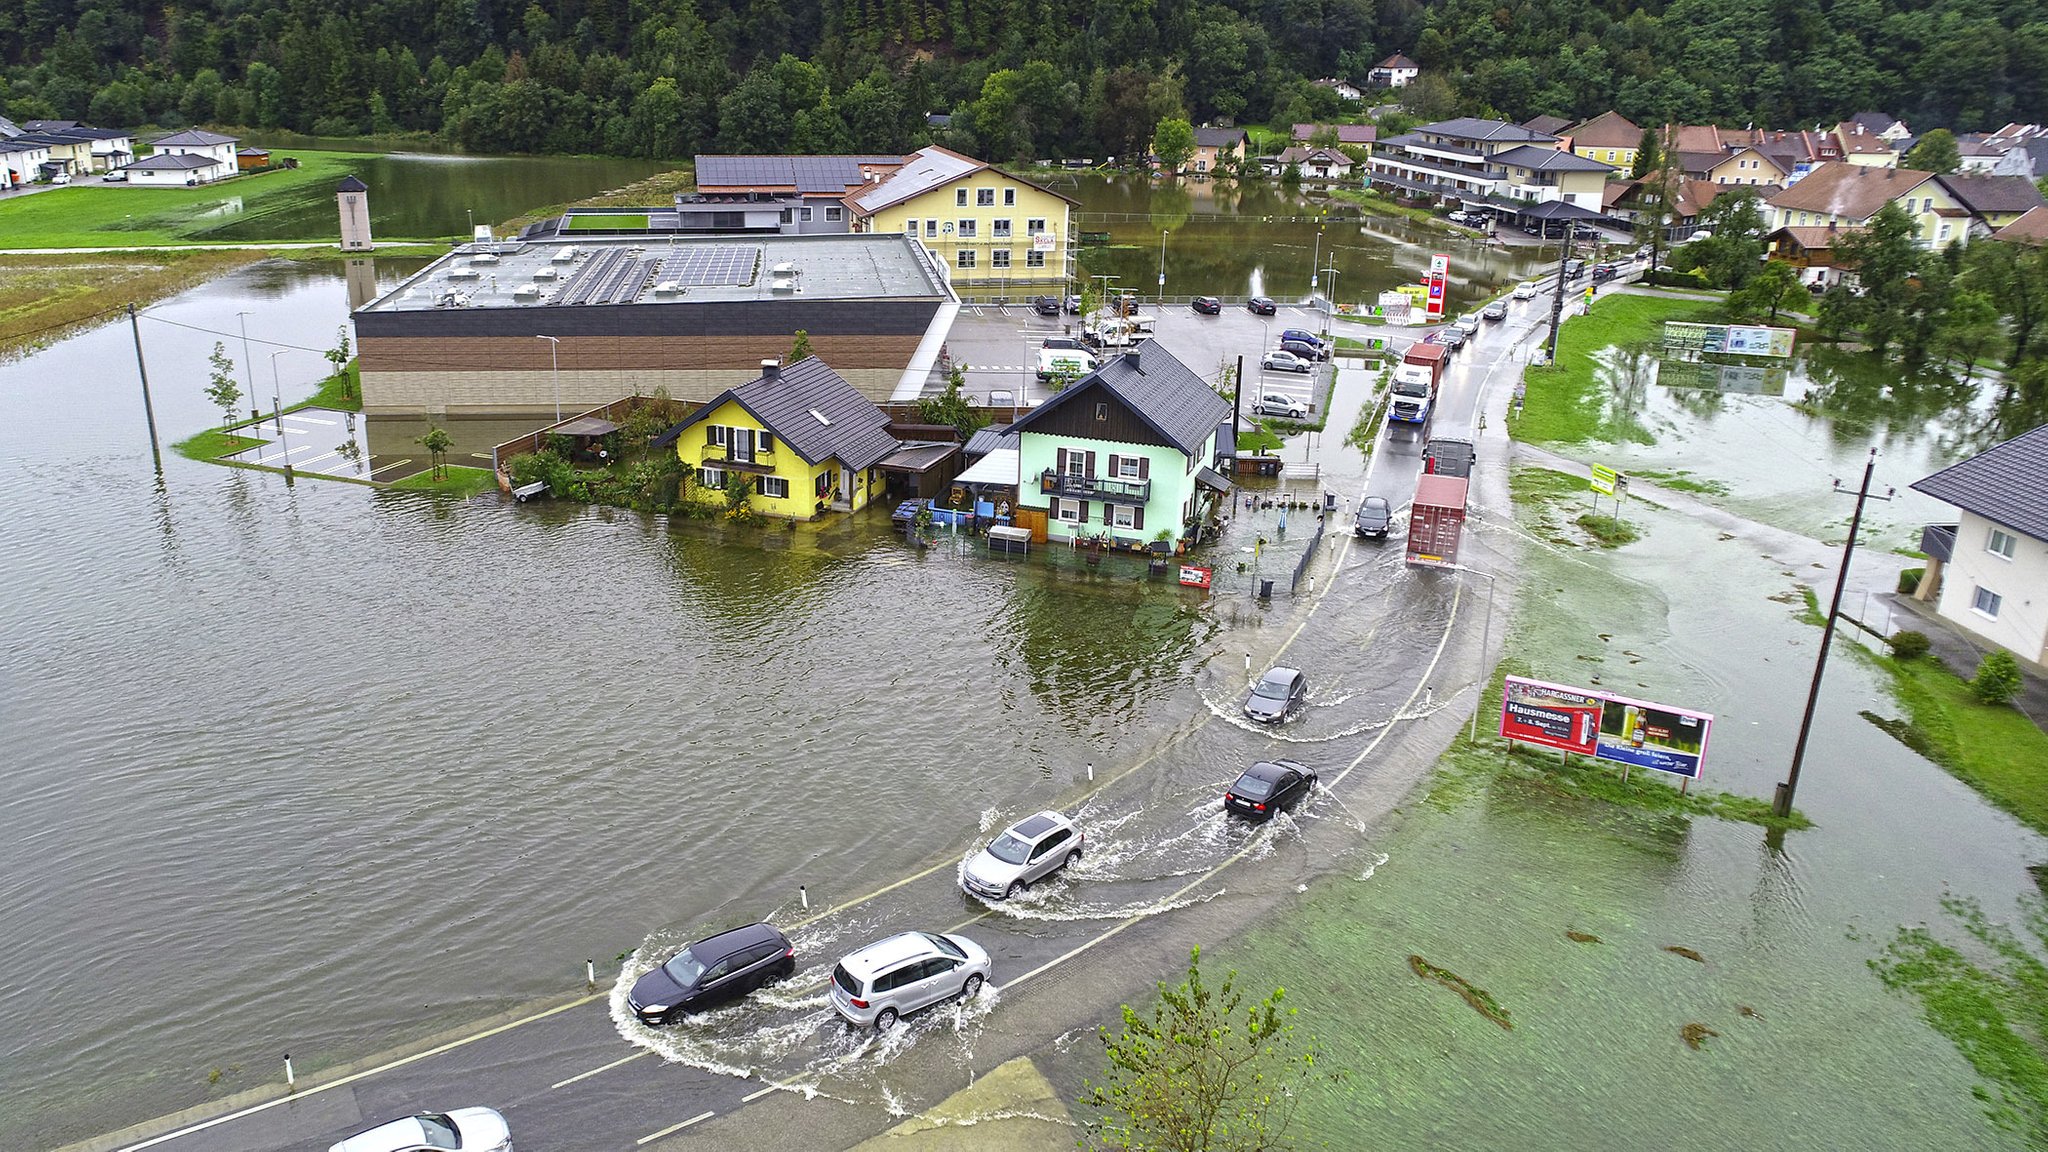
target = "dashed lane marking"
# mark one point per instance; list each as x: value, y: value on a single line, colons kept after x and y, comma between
x: 673, y: 1128
x: 605, y: 1068
x: 750, y: 1097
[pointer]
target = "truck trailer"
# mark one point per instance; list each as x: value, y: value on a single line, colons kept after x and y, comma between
x: 1436, y: 521
x: 1415, y: 383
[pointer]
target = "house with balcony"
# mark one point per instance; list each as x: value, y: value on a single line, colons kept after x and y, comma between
x: 1487, y: 163
x: 189, y: 157
x: 1995, y: 201
x: 77, y: 149
x: 984, y: 225
x: 1396, y: 71
x: 1323, y: 165
x: 1217, y: 148
x: 1122, y: 454
x: 21, y: 162
x: 1988, y: 572
x: 809, y: 190
x: 1610, y: 138
x: 1846, y: 195
x: 803, y: 439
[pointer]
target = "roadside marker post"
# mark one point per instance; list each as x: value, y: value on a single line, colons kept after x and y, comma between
x: 291, y: 1082
x: 590, y: 973
x: 805, y: 896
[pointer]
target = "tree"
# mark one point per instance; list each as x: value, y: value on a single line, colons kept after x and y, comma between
x: 1967, y: 329
x: 1205, y: 1072
x: 1173, y: 141
x: 437, y: 441
x: 801, y: 346
x: 338, y: 356
x: 1886, y: 258
x: 1998, y: 678
x: 1729, y: 256
x: 220, y: 385
x: 1936, y: 152
x: 1774, y: 287
x: 1649, y: 155
x: 951, y: 407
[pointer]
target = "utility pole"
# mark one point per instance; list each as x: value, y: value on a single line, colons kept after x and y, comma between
x: 248, y: 381
x: 148, y: 409
x: 1564, y: 253
x: 1781, y: 802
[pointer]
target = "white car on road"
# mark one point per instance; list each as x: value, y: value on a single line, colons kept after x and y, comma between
x: 1526, y: 291
x: 463, y: 1130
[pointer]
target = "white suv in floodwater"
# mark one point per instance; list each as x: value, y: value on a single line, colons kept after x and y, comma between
x: 904, y: 973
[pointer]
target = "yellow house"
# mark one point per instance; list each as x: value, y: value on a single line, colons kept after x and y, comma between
x: 1610, y: 138
x: 1847, y: 195
x: 985, y: 226
x: 1748, y: 167
x: 804, y: 440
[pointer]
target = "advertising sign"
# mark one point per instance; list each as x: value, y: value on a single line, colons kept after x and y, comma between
x: 1745, y: 340
x: 1603, y: 479
x: 1195, y: 577
x: 1439, y: 265
x: 1042, y: 242
x: 1552, y: 715
x: 1654, y: 736
x: 1439, y: 270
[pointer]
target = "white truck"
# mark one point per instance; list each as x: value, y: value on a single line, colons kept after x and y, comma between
x: 1069, y: 362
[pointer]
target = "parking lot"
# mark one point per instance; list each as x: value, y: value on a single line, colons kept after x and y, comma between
x: 996, y: 347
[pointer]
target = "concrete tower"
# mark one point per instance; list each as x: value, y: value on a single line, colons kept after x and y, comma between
x: 354, y: 198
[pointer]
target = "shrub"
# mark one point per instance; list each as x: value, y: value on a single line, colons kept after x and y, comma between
x: 1998, y: 678
x: 548, y: 467
x: 1908, y: 645
x: 1909, y: 580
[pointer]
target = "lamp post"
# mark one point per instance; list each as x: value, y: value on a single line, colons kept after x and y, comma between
x: 555, y: 363
x: 248, y: 380
x: 1162, y: 267
x: 1485, y: 637
x: 277, y: 411
x: 1331, y: 298
x: 471, y: 213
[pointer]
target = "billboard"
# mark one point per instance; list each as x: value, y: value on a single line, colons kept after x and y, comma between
x: 1618, y: 729
x: 1746, y: 340
x: 1603, y: 478
x: 1552, y: 715
x: 1439, y: 272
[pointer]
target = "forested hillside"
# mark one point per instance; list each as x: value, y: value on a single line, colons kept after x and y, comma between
x: 1023, y: 77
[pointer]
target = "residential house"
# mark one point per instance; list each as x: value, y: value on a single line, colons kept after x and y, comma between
x: 1810, y: 251
x: 1487, y: 162
x: 812, y: 188
x: 9, y: 129
x: 1847, y: 195
x: 1750, y: 166
x: 1995, y: 201
x: 2031, y: 228
x: 1396, y: 71
x: 21, y: 161
x: 77, y: 149
x: 189, y: 157
x: 1865, y: 148
x: 1610, y: 138
x: 1326, y: 164
x: 1348, y: 135
x: 1885, y: 126
x: 1985, y: 571
x: 984, y: 224
x: 805, y: 439
x: 1217, y: 148
x: 1547, y: 125
x: 1989, y: 158
x: 1123, y: 452
x: 1344, y: 89
x: 1798, y: 152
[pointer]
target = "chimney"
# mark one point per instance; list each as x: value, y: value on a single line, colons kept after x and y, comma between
x: 1132, y: 358
x: 771, y: 369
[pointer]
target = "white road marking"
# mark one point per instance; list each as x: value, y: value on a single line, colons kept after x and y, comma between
x: 390, y: 466
x: 675, y: 1127
x: 750, y: 1097
x: 595, y: 1071
x: 310, y: 419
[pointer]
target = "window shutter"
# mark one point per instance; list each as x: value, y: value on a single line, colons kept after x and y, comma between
x: 1089, y: 466
x: 711, y: 433
x: 1062, y: 468
x: 1144, y: 467
x: 767, y: 441
x: 1138, y: 517
x: 1084, y: 511
x: 1113, y: 458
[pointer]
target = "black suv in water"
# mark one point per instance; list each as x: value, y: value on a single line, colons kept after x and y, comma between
x: 713, y: 972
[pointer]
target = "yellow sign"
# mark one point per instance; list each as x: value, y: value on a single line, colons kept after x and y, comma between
x: 1604, y: 478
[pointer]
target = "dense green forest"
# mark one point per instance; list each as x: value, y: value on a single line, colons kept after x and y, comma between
x: 1022, y: 77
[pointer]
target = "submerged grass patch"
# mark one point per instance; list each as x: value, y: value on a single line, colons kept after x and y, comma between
x: 1990, y: 747
x: 1608, y: 531
x: 45, y: 297
x: 1683, y: 480
x: 1478, y: 998
x: 1565, y: 402
x: 458, y: 480
x: 213, y: 444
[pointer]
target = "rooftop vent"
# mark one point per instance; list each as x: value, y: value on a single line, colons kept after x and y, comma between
x: 770, y: 369
x: 464, y: 274
x: 668, y: 288
x: 821, y: 418
x: 544, y: 273
x: 485, y: 258
x: 565, y: 255
x: 526, y: 292
x: 782, y: 284
x: 784, y: 269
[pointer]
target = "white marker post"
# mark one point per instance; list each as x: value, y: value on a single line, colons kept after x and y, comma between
x: 291, y: 1081
x: 805, y: 896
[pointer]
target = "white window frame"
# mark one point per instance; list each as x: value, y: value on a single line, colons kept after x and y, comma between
x: 1127, y: 468
x: 833, y: 212
x: 984, y: 197
x: 1034, y: 259
x: 999, y: 258
x: 804, y: 214
x: 2001, y: 543
x: 931, y: 228
x: 711, y: 477
x: 1983, y: 596
x: 959, y: 197
x: 1066, y: 511
x: 769, y: 484
x: 1123, y: 516
x: 1009, y: 197
x: 964, y: 229
x: 1034, y: 225
x: 1000, y: 229
x: 965, y: 258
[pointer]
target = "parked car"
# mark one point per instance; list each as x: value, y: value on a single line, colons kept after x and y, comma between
x: 1069, y: 342
x: 464, y: 1130
x: 1208, y: 305
x: 115, y: 177
x: 1046, y: 305
x: 1025, y: 853
x: 1301, y: 336
x: 713, y: 971
x: 1277, y: 695
x: 1526, y: 291
x: 1375, y: 517
x: 911, y: 970
x: 1073, y: 305
x: 61, y: 178
x: 1268, y: 786
x: 1286, y: 362
x: 1549, y: 230
x: 1280, y: 404
x: 1587, y: 232
x: 1262, y: 306
x: 1308, y: 352
x: 1494, y: 310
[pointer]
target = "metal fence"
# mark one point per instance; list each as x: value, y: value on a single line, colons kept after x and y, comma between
x: 1308, y: 554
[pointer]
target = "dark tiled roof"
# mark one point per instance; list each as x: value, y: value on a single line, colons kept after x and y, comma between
x: 1219, y: 137
x: 2006, y: 484
x: 193, y: 138
x: 987, y: 440
x: 1984, y: 194
x: 1473, y: 128
x: 789, y: 403
x: 1609, y: 129
x: 172, y: 162
x: 1397, y: 61
x: 350, y: 184
x: 1548, y: 125
x: 1160, y: 390
x: 1548, y: 160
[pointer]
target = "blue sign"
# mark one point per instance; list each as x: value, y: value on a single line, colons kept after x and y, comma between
x: 1654, y: 736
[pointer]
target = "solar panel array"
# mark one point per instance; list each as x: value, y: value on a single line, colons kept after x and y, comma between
x: 715, y: 264
x: 612, y: 276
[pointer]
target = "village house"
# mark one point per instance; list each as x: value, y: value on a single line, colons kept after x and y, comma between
x: 1325, y: 164
x: 1847, y: 195
x: 1489, y: 163
x: 1347, y: 135
x: 182, y: 158
x: 1995, y: 201
x: 807, y: 193
x: 2031, y: 228
x: 1985, y: 571
x: 980, y: 222
x: 1217, y: 148
x: 1344, y: 89
x: 1865, y: 148
x: 1610, y: 138
x: 77, y: 150
x: 1396, y: 71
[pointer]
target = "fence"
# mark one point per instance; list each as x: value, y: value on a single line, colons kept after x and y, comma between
x: 1308, y: 554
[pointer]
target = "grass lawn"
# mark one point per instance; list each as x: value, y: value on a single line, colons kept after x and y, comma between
x: 46, y: 297
x: 1380, y: 205
x: 457, y: 480
x: 213, y: 444
x: 605, y: 223
x: 342, y: 391
x: 1990, y: 747
x: 1566, y: 402
x: 1255, y: 439
x: 115, y: 216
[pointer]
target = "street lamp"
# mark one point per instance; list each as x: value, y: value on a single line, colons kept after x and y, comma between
x: 471, y: 213
x: 555, y: 362
x: 277, y: 411
x: 1331, y: 298
x: 1162, y: 267
x: 248, y: 382
x: 1485, y: 637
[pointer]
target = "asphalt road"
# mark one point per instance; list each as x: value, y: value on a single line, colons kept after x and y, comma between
x: 1165, y: 870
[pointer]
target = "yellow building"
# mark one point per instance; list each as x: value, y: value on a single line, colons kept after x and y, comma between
x: 1847, y: 195
x: 1610, y: 138
x: 985, y: 226
x: 806, y: 441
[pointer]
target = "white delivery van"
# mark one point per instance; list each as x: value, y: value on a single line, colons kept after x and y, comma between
x: 1065, y: 362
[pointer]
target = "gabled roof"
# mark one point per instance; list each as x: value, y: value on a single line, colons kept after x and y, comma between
x: 1609, y: 129
x: 1813, y: 237
x: 170, y: 162
x: 1548, y: 160
x: 1860, y: 141
x: 193, y: 138
x: 1873, y: 122
x: 1473, y: 128
x: 9, y: 129
x: 48, y: 125
x: 1161, y: 391
x: 1346, y: 133
x: 350, y: 184
x: 2006, y: 484
x: 789, y: 404
x: 987, y: 440
x: 1985, y: 194
x: 1759, y: 153
x: 1300, y: 155
x: 1219, y: 137
x: 1693, y: 196
x: 1698, y: 161
x: 809, y: 175
x: 2031, y: 228
x: 1547, y: 125
x: 1849, y: 191
x: 923, y: 170
x: 1398, y: 61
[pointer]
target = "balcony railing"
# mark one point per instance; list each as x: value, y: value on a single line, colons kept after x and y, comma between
x: 1053, y: 482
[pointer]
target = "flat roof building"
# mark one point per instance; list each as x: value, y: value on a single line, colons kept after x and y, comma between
x: 521, y: 328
